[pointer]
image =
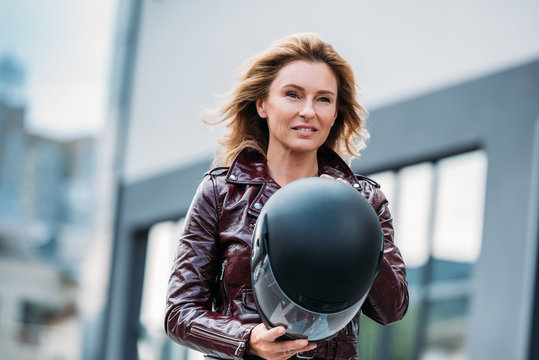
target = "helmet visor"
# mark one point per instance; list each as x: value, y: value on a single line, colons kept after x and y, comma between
x: 276, y: 308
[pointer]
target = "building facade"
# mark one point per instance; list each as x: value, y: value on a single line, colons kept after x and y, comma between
x: 46, y: 222
x: 459, y: 163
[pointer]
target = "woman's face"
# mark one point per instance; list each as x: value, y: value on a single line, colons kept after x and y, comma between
x: 300, y: 108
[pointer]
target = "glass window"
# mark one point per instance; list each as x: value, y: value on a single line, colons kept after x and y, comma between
x: 153, y: 344
x: 412, y: 213
x: 161, y: 248
x: 459, y: 215
x: 437, y: 208
x: 456, y: 244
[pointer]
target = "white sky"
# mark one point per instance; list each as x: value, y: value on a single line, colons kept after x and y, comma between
x: 64, y: 47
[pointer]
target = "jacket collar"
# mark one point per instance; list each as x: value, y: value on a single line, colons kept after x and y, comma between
x: 250, y: 167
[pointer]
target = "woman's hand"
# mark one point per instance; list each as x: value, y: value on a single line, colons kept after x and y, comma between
x: 331, y: 177
x: 262, y: 343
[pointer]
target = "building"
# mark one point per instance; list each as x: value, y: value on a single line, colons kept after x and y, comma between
x: 469, y: 151
x: 46, y: 222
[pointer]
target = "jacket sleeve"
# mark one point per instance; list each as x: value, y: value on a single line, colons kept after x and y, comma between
x: 189, y: 319
x: 388, y: 298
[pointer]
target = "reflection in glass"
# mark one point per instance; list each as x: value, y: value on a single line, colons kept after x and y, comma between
x: 438, y: 218
x: 413, y: 213
x: 456, y: 244
x: 459, y: 216
x: 153, y: 344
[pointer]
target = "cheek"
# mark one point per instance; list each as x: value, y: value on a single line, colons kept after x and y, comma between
x: 329, y: 117
x: 282, y: 112
x: 275, y: 124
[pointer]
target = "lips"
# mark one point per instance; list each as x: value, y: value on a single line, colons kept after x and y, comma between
x: 304, y: 127
x: 304, y: 131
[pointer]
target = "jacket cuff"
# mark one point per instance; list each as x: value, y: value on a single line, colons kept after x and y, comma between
x: 246, y: 335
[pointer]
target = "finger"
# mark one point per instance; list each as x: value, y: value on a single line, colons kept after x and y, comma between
x: 331, y: 177
x: 299, y: 344
x: 288, y: 353
x: 306, y: 348
x: 274, y: 333
x: 290, y: 348
x: 295, y: 350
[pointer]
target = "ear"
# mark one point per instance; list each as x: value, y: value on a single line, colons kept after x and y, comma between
x: 260, y: 108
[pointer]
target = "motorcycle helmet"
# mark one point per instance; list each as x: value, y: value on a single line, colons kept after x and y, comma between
x: 316, y: 249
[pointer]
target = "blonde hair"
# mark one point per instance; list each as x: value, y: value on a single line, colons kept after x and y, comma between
x: 246, y: 129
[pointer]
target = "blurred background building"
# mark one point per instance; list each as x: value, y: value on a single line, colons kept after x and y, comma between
x: 46, y: 223
x: 89, y: 224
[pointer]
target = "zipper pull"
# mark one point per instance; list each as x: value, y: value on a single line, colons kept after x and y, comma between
x: 241, y: 345
x: 222, y: 270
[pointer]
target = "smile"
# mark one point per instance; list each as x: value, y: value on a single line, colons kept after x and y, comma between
x: 304, y: 129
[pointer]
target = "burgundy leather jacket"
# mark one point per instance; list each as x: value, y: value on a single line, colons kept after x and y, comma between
x: 210, y: 304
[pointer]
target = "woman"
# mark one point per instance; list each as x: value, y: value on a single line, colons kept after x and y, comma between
x: 293, y: 111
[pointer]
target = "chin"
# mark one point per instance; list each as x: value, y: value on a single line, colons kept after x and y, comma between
x: 307, y: 147
x: 304, y: 149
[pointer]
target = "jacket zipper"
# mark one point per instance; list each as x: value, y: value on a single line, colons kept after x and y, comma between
x: 223, y: 284
x: 205, y: 333
x: 223, y: 265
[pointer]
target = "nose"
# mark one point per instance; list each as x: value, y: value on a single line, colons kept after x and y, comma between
x: 307, y: 110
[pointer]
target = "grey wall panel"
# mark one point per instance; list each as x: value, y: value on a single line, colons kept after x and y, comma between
x: 188, y: 51
x: 163, y: 197
x: 497, y: 113
x: 160, y: 198
x: 464, y: 116
x: 533, y: 256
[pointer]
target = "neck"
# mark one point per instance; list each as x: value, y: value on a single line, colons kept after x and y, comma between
x: 287, y: 167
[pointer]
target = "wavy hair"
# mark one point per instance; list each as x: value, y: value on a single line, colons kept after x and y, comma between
x: 246, y: 129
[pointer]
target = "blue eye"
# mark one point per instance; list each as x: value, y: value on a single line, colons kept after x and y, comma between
x: 324, y: 99
x: 293, y: 95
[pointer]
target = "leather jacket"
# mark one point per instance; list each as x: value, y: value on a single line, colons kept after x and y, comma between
x: 210, y: 304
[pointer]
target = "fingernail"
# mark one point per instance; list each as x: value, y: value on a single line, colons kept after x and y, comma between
x: 303, y: 343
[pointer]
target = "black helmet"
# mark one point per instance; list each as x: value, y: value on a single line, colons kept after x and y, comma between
x: 317, y: 247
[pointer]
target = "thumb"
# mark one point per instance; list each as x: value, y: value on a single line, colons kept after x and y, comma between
x: 275, y: 332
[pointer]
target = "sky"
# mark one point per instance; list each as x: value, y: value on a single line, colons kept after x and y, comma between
x: 64, y: 47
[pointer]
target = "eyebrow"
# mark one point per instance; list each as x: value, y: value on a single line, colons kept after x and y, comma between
x: 329, y: 92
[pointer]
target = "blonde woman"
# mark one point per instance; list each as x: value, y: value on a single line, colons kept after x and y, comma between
x: 293, y: 114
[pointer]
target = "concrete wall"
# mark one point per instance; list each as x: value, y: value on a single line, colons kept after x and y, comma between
x: 500, y: 114
x: 497, y: 113
x: 188, y: 51
x: 173, y: 56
